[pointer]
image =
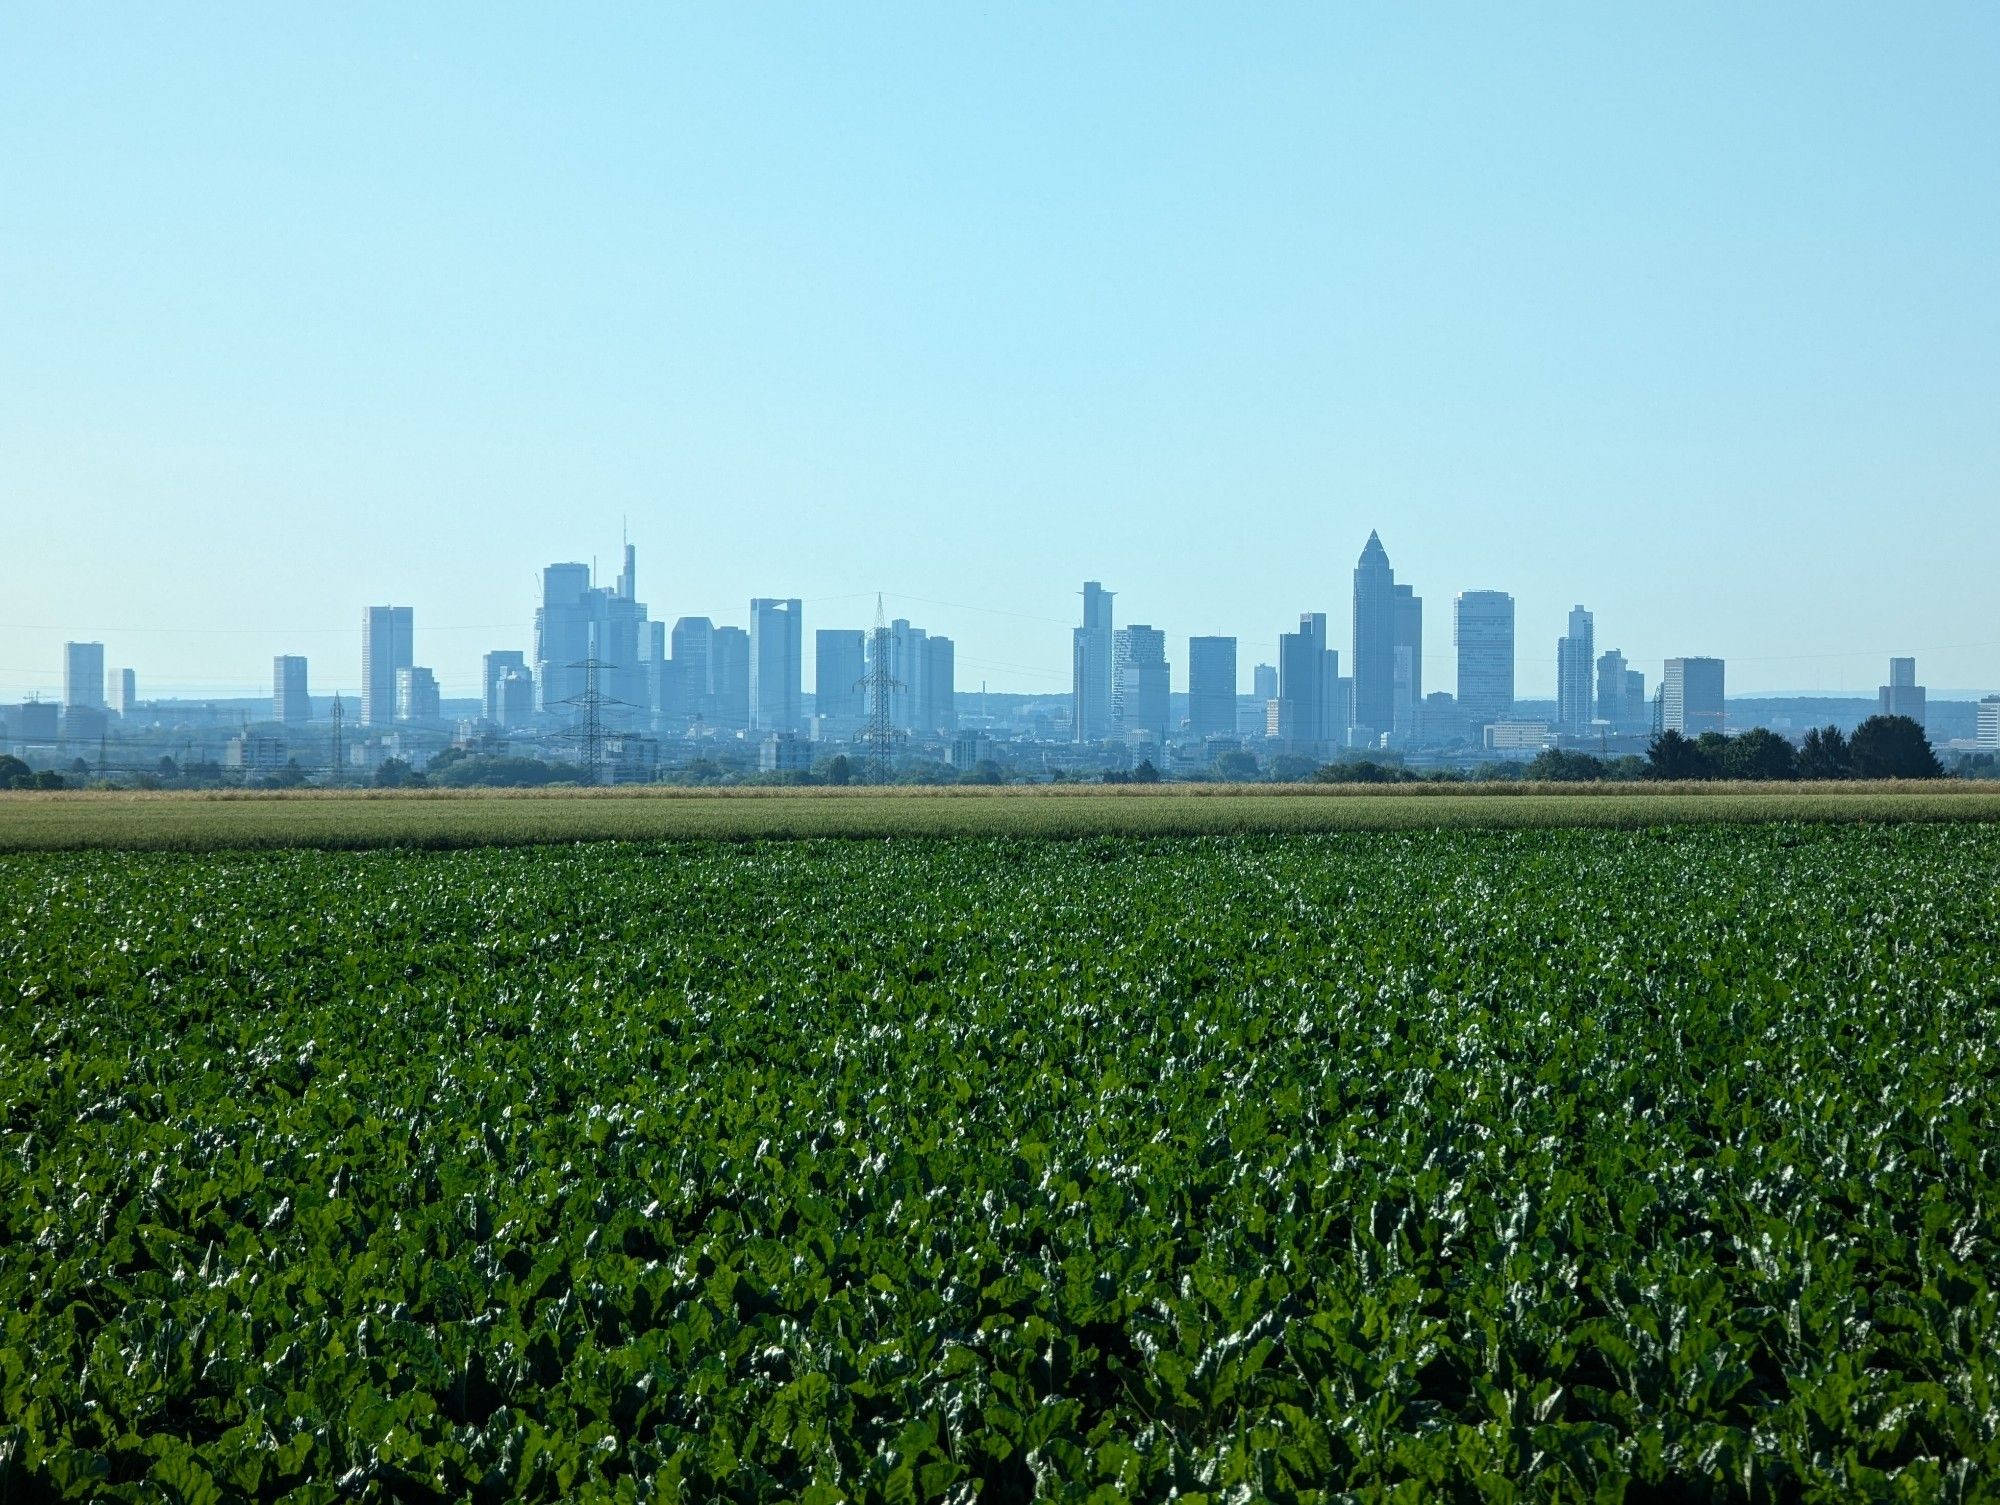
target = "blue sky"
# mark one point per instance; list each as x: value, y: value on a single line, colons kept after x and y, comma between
x: 1685, y: 313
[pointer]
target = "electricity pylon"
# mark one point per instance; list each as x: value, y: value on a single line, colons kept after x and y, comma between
x: 880, y: 733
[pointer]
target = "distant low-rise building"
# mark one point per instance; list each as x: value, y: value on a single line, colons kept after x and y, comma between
x: 784, y: 752
x: 1516, y: 736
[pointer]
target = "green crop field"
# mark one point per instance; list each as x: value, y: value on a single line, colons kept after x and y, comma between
x: 1579, y: 1164
x: 474, y: 818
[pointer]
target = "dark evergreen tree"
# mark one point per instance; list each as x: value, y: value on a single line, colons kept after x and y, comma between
x: 1759, y: 754
x: 1673, y: 756
x: 1892, y: 747
x: 1823, y: 754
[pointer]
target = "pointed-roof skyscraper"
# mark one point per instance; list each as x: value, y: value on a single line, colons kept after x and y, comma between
x: 1374, y: 639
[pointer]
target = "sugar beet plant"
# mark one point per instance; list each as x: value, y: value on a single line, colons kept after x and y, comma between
x: 1538, y: 1165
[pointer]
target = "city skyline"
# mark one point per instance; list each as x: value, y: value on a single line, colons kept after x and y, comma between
x: 364, y: 306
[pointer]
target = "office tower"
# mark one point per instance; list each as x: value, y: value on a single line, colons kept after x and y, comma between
x: 691, y: 638
x: 1482, y: 630
x: 1408, y: 707
x: 1691, y: 696
x: 1264, y: 682
x: 1211, y: 687
x: 840, y: 663
x: 514, y: 699
x: 123, y: 688
x: 578, y: 621
x: 290, y: 702
x: 1902, y: 695
x: 1612, y: 707
x: 777, y: 664
x: 729, y: 677
x: 1090, y: 667
x: 1374, y: 639
x: 1988, y: 733
x: 83, y: 676
x: 387, y: 645
x: 1140, y: 695
x: 1576, y: 652
x: 909, y: 666
x: 416, y: 695
x: 493, y: 667
x: 940, y: 704
x: 1316, y: 707
x: 1638, y: 714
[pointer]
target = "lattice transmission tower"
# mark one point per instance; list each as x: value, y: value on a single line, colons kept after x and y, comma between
x: 590, y: 707
x: 879, y: 736
x: 334, y: 773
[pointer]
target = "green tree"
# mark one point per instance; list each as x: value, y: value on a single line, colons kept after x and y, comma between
x: 838, y: 769
x: 1673, y: 756
x: 1235, y: 765
x: 1892, y: 747
x: 1759, y: 754
x: 1823, y: 754
x: 14, y: 774
x: 396, y: 773
x: 1556, y: 766
x: 1293, y: 768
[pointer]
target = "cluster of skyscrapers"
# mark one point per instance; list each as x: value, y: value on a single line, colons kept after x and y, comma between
x: 599, y: 659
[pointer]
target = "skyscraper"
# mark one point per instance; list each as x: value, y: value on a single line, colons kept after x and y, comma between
x: 1140, y: 696
x: 1315, y: 713
x: 83, y: 676
x: 1409, y: 703
x: 940, y: 706
x: 1211, y: 687
x: 416, y: 695
x: 493, y: 668
x: 123, y: 688
x: 1264, y: 682
x: 1483, y: 632
x: 1575, y: 656
x: 1612, y: 707
x: 729, y: 678
x: 1374, y: 639
x: 839, y: 699
x: 1902, y: 695
x: 290, y: 702
x: 387, y: 644
x: 1691, y: 696
x: 692, y: 637
x: 1090, y: 669
x: 777, y: 664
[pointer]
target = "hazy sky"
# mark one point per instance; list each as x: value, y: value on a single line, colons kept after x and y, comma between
x: 1692, y: 316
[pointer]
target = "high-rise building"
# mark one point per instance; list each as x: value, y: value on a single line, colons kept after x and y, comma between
x: 1264, y: 682
x: 494, y: 667
x: 1409, y: 701
x: 840, y: 700
x: 290, y: 702
x: 578, y: 621
x: 1612, y: 708
x: 1374, y: 639
x: 729, y: 678
x: 692, y: 637
x: 387, y: 646
x: 1691, y: 696
x: 1483, y: 633
x: 940, y: 704
x: 1638, y: 711
x: 83, y: 676
x: 1902, y: 695
x: 1140, y: 694
x: 1211, y: 687
x: 1090, y: 667
x: 1316, y: 708
x: 123, y: 689
x: 1988, y: 733
x: 514, y: 699
x: 416, y: 695
x: 1576, y: 653
x: 777, y: 664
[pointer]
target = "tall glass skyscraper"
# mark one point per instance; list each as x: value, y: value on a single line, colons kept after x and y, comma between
x: 1576, y: 655
x: 387, y: 644
x: 1090, y: 667
x: 777, y: 667
x: 1374, y: 639
x: 1483, y: 630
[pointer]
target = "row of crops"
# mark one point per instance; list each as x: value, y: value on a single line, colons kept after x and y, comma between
x: 1583, y: 1164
